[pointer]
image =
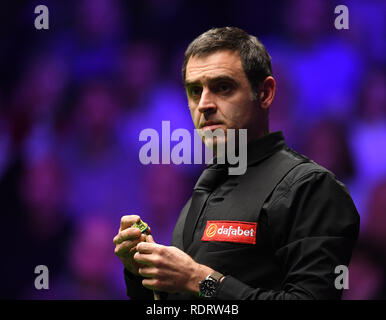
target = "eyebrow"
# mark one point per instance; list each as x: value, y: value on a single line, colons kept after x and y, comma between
x: 211, y: 80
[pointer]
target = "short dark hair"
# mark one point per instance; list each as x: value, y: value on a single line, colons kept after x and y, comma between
x: 254, y: 57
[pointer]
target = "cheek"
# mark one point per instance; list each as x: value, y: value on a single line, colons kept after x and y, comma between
x: 239, y: 115
x: 195, y: 116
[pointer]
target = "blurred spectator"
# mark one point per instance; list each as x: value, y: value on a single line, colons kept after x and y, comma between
x: 368, y: 15
x: 98, y: 20
x: 307, y: 20
x: 138, y: 76
x: 366, y: 275
x: 368, y: 133
x: 5, y: 141
x: 102, y: 175
x: 374, y: 228
x: 164, y: 192
x: 39, y: 227
x: 327, y: 144
x: 325, y: 71
x: 91, y: 260
x: 367, y: 278
x: 35, y: 99
x: 92, y: 38
x: 149, y: 98
x: 43, y: 189
x: 139, y: 71
x: 372, y: 106
x: 281, y: 112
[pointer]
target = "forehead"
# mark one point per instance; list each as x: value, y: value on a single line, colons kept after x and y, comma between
x: 212, y: 65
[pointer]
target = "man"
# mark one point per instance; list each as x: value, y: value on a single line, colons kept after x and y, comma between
x: 276, y: 232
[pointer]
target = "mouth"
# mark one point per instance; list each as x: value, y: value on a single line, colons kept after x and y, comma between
x: 210, y: 125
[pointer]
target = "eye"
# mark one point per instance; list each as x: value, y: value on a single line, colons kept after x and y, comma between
x: 195, y: 91
x: 224, y: 87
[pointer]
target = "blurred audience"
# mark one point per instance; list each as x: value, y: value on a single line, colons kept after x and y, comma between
x: 35, y: 99
x: 368, y: 133
x: 369, y: 15
x: 101, y: 174
x: 5, y: 142
x: 367, y: 271
x: 164, y: 192
x: 327, y: 144
x: 39, y: 227
x: 72, y: 107
x: 325, y: 70
x: 92, y: 263
x: 141, y: 59
x: 281, y: 112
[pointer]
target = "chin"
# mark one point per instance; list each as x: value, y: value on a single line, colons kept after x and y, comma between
x: 217, y: 144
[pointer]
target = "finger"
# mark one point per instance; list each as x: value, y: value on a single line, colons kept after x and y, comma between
x: 126, y: 248
x: 128, y: 221
x: 148, y: 272
x: 134, y: 248
x: 127, y: 234
x: 150, y: 239
x: 150, y: 283
x: 146, y: 259
x: 147, y: 247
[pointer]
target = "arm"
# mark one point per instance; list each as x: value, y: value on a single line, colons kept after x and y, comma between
x: 314, y: 226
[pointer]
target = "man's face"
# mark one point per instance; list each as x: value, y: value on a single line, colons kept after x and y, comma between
x: 220, y: 95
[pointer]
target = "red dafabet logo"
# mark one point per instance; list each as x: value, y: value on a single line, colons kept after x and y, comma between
x: 230, y: 231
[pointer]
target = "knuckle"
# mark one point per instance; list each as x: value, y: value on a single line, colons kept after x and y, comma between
x: 130, y: 232
x: 125, y: 235
x: 139, y: 247
x: 134, y: 232
x: 157, y: 261
x: 123, y: 249
x: 156, y: 272
x: 125, y: 220
x: 161, y: 250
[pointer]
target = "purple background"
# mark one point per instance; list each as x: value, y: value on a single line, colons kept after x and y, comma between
x: 74, y: 98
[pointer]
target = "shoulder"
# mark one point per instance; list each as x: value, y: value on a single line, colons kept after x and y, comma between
x: 311, y: 201
x: 308, y: 174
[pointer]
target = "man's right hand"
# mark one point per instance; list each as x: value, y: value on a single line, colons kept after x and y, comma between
x: 126, y: 242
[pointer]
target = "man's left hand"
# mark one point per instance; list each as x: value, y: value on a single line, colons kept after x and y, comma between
x: 169, y: 269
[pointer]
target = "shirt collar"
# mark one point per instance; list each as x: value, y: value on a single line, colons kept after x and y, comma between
x: 259, y: 149
x: 264, y: 147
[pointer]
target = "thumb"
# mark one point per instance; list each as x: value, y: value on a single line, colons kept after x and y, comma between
x: 149, y: 238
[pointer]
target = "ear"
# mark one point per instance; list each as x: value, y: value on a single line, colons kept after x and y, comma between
x: 267, y: 92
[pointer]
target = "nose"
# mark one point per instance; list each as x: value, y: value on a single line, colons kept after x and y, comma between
x: 207, y: 101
